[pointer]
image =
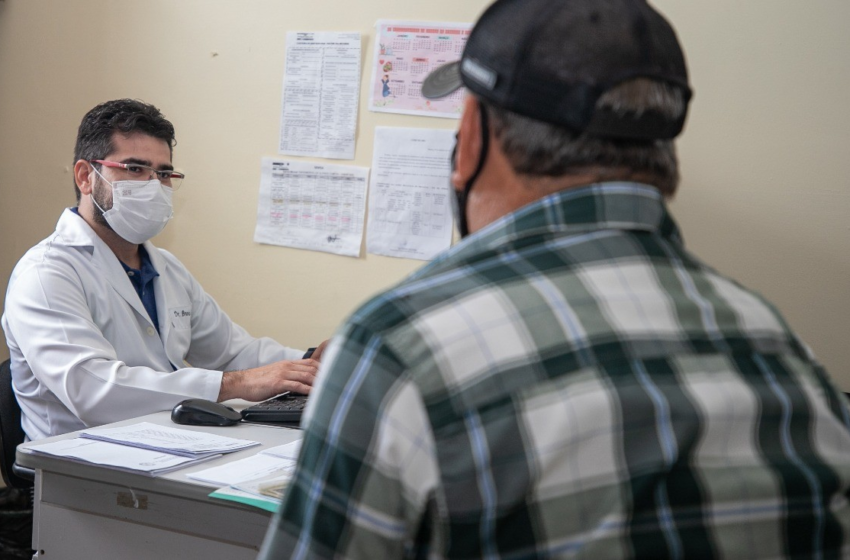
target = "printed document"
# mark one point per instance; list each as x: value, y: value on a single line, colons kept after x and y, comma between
x: 276, y: 461
x: 249, y: 468
x: 321, y: 91
x: 405, y: 53
x: 409, y: 206
x: 178, y: 441
x: 313, y: 206
x: 120, y: 457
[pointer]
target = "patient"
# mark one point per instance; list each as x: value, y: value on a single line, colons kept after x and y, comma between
x: 568, y: 381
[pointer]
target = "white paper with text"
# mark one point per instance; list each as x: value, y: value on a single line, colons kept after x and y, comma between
x: 117, y: 456
x: 320, y: 207
x: 179, y: 441
x: 321, y: 93
x: 249, y: 468
x: 409, y: 209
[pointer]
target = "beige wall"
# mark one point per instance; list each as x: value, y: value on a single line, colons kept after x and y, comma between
x: 765, y: 156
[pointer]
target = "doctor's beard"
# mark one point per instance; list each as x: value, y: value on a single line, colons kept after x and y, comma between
x: 101, y: 194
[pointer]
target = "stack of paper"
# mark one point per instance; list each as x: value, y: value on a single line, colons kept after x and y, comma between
x: 231, y: 494
x: 144, y: 448
x: 278, y: 461
x: 253, y: 485
x: 117, y: 456
x: 265, y: 493
x: 249, y: 468
x: 176, y: 441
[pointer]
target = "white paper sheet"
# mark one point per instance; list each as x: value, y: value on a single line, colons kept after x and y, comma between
x: 313, y: 206
x: 405, y: 53
x: 120, y: 457
x: 286, y: 451
x: 178, y: 441
x: 249, y: 468
x: 321, y: 91
x: 409, y: 209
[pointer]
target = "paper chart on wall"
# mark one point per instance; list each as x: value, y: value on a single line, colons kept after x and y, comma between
x: 313, y: 206
x: 405, y: 53
x: 321, y: 91
x: 409, y: 207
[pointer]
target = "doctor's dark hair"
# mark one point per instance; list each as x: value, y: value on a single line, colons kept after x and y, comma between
x: 94, y: 137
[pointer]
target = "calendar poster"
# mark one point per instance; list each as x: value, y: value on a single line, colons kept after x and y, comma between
x: 405, y: 53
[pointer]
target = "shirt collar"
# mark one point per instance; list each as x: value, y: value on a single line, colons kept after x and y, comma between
x: 146, y: 272
x: 611, y: 205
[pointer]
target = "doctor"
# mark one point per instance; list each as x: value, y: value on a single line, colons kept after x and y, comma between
x: 102, y: 325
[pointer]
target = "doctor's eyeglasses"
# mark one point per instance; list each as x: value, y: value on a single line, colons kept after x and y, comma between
x: 138, y: 172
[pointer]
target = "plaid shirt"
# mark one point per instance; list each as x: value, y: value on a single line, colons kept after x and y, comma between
x: 570, y: 382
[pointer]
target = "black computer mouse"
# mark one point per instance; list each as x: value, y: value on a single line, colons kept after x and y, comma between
x: 201, y: 412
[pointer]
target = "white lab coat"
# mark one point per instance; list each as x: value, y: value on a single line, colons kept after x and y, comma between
x: 84, y: 350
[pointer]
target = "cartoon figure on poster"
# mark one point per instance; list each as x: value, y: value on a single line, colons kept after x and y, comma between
x: 406, y: 51
x: 386, y: 92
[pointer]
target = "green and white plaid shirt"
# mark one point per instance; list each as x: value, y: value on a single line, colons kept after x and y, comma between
x: 570, y: 382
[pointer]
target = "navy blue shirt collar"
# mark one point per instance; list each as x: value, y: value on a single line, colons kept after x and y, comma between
x: 142, y: 280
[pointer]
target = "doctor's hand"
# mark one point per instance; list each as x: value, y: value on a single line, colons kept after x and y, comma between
x: 264, y: 382
x: 317, y: 353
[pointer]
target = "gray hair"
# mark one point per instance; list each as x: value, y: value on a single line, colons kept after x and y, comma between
x: 535, y: 148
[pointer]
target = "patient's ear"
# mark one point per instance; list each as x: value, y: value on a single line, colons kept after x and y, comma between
x: 468, y: 143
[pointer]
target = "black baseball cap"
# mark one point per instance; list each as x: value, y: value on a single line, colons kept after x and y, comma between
x: 551, y: 60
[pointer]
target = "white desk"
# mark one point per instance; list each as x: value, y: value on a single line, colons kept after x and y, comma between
x: 87, y: 512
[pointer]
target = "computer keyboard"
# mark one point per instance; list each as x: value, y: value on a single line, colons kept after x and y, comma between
x: 284, y: 409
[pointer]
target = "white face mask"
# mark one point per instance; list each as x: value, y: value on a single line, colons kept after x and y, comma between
x: 140, y: 209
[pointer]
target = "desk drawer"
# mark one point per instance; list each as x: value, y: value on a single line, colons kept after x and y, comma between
x: 204, y: 518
